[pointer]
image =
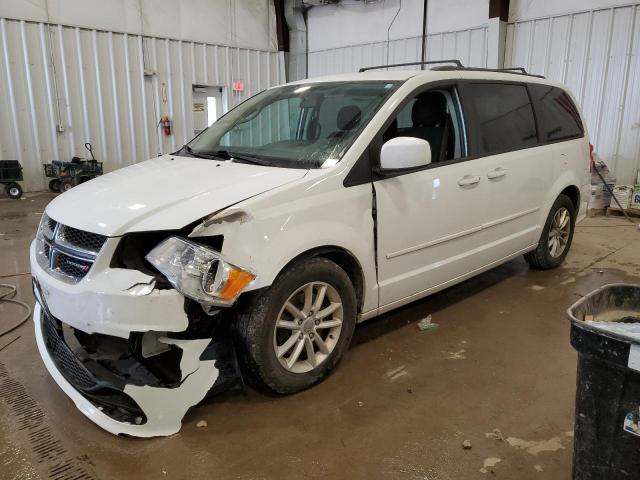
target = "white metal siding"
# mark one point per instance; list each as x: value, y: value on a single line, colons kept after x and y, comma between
x: 92, y: 82
x: 469, y: 46
x: 596, y: 54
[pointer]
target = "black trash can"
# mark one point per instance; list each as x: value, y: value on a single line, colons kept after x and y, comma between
x: 605, y: 331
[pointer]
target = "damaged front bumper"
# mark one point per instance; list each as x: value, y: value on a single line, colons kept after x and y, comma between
x: 138, y: 383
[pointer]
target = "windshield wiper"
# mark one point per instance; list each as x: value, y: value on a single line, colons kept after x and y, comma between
x: 193, y: 153
x: 227, y: 155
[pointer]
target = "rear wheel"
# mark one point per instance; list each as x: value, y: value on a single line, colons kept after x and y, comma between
x: 54, y: 185
x: 556, y: 237
x: 66, y: 185
x: 295, y: 332
x: 13, y: 190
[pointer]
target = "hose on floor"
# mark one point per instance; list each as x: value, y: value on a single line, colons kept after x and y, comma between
x: 7, y: 297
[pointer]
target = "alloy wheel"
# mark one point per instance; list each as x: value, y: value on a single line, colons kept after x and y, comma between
x: 308, y: 327
x: 559, y: 232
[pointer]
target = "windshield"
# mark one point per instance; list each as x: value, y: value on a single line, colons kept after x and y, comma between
x: 299, y: 126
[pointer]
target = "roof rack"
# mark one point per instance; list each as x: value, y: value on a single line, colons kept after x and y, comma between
x: 458, y: 64
x: 514, y: 70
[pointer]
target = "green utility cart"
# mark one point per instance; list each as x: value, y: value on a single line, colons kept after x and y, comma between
x: 66, y: 175
x: 10, y: 175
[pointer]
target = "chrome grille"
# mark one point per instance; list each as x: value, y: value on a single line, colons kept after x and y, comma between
x: 81, y: 240
x: 72, y: 266
x: 48, y: 227
x: 66, y: 252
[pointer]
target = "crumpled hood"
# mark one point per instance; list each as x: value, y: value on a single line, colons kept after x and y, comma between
x: 164, y: 193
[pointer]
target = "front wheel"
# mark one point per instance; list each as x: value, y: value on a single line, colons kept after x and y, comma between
x: 556, y: 237
x: 13, y: 190
x: 295, y: 332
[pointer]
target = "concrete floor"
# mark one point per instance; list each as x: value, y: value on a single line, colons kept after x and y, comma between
x: 398, y: 407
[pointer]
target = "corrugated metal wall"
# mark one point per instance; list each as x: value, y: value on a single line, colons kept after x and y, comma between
x: 469, y: 46
x: 597, y: 55
x: 93, y: 83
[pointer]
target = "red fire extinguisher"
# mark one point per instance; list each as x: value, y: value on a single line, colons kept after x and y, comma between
x: 167, y: 125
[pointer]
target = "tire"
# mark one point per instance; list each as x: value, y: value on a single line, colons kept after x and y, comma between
x: 66, y: 185
x: 54, y: 185
x: 259, y: 339
x: 543, y: 257
x: 13, y: 190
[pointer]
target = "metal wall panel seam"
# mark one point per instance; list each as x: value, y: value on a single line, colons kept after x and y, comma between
x: 605, y: 75
x: 585, y: 58
x: 114, y: 92
x: 627, y: 70
x: 30, y: 99
x: 65, y: 83
x: 192, y: 49
x: 204, y: 64
x: 155, y: 86
x: 567, y: 49
x: 145, y: 118
x: 48, y: 86
x: 132, y: 129
x: 576, y: 12
x: 215, y: 65
x: 101, y: 119
x: 83, y: 93
x: 12, y: 99
x: 412, y: 37
x: 547, y: 52
x: 183, y: 95
x: 130, y: 34
x: 172, y: 139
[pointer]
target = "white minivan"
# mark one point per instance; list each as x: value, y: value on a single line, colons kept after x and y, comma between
x: 306, y: 209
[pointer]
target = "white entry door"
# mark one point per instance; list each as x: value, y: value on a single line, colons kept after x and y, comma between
x: 207, y: 106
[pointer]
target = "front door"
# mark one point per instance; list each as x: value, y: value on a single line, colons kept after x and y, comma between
x: 428, y: 221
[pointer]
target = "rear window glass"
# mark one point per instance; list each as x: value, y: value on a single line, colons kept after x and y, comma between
x: 558, y: 117
x: 505, y: 117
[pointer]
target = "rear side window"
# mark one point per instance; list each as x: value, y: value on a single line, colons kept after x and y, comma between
x: 558, y: 117
x: 504, y: 117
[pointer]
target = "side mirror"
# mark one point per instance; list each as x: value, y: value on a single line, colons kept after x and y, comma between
x: 404, y: 153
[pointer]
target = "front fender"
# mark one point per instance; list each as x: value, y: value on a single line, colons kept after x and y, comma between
x: 265, y: 233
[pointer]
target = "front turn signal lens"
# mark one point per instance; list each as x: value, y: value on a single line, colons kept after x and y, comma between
x: 236, y: 282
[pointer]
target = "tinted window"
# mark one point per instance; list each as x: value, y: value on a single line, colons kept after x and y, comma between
x: 558, y: 117
x: 505, y: 117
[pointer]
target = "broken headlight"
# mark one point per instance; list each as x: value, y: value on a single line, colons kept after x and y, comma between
x: 198, y: 272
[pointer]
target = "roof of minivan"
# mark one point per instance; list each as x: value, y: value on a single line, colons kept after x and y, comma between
x: 396, y: 75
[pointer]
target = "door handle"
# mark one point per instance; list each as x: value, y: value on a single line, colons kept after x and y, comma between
x: 497, y: 173
x: 469, y: 180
